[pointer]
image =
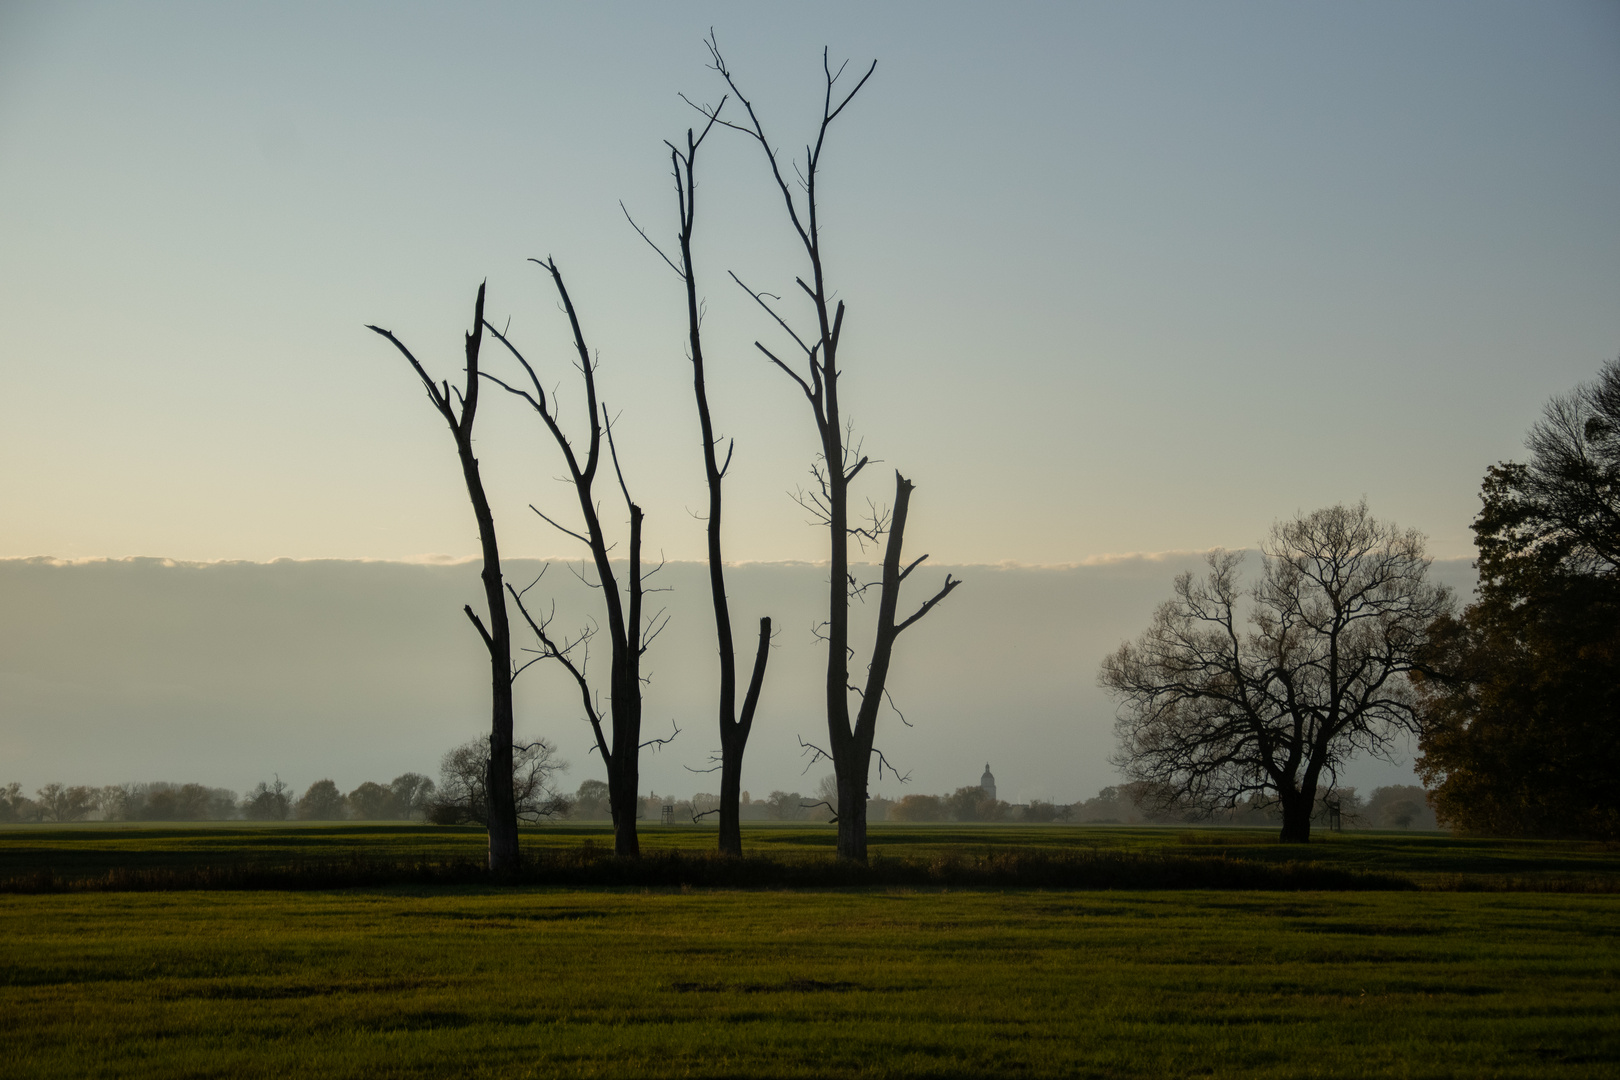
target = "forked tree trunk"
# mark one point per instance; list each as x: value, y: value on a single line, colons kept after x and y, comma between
x: 735, y: 725
x: 734, y: 737
x: 850, y: 746
x: 627, y: 635
x: 497, y: 637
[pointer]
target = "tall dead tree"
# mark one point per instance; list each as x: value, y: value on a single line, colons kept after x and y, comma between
x: 628, y: 632
x: 735, y: 725
x: 497, y: 636
x: 850, y: 738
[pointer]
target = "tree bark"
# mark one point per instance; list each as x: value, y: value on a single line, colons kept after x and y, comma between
x: 852, y: 776
x: 1296, y: 826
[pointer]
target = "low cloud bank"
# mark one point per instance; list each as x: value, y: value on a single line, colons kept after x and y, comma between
x: 114, y: 671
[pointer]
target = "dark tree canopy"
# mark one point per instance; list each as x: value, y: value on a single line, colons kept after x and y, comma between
x: 322, y: 802
x: 1267, y: 691
x: 1556, y: 517
x: 1521, y: 719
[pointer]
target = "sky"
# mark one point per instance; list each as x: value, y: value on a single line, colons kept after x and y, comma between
x: 1122, y: 279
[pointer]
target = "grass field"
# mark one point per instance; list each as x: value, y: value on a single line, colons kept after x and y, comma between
x: 1429, y: 860
x: 534, y: 981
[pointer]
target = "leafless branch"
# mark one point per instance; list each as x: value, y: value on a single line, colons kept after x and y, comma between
x: 659, y: 743
x: 883, y: 763
x: 816, y: 753
x: 821, y: 802
x: 489, y: 642
x: 759, y: 298
x: 560, y: 528
x: 950, y: 583
x: 670, y: 262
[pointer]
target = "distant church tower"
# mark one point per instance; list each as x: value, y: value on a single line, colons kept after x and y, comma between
x: 988, y: 782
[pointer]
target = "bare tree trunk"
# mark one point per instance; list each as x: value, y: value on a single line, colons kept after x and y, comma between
x: 849, y: 746
x: 852, y: 805
x: 497, y: 637
x: 628, y: 633
x: 1296, y: 808
x: 734, y: 726
x: 733, y: 740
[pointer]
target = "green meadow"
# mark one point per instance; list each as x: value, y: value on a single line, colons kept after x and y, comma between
x: 1474, y: 972
x: 1423, y: 860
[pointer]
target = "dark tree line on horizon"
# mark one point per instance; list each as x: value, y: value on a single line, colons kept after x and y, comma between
x: 459, y: 799
x: 410, y: 795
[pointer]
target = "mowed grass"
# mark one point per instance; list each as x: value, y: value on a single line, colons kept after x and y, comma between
x: 1430, y: 860
x: 545, y: 982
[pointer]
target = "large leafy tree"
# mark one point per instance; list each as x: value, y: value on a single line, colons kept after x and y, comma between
x: 1521, y: 713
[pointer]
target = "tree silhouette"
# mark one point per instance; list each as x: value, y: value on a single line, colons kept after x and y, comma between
x: 629, y: 633
x: 1521, y: 711
x: 850, y: 737
x: 497, y: 636
x: 1211, y: 713
x: 735, y: 724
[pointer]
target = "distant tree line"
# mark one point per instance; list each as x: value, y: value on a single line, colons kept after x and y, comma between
x: 460, y: 796
x: 458, y: 799
x: 1389, y: 807
x: 405, y: 797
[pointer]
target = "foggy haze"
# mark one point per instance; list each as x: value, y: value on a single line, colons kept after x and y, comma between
x: 115, y: 671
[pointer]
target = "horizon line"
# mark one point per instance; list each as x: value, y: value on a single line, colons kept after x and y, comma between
x: 451, y: 561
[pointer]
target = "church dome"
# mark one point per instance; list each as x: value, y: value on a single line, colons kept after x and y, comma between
x: 988, y: 782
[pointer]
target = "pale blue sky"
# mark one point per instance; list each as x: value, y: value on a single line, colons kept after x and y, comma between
x: 1122, y: 277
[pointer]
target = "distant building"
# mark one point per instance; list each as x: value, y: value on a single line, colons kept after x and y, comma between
x: 988, y: 782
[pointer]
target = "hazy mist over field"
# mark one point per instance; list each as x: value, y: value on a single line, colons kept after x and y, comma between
x: 224, y: 673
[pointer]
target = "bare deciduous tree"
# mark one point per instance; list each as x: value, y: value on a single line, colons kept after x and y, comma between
x: 461, y: 795
x: 66, y: 803
x: 735, y: 724
x: 1211, y: 713
x: 850, y: 737
x: 629, y: 632
x: 497, y: 637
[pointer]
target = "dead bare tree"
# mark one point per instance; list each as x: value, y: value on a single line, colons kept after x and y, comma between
x: 850, y: 743
x: 497, y: 636
x: 734, y: 725
x: 629, y: 633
